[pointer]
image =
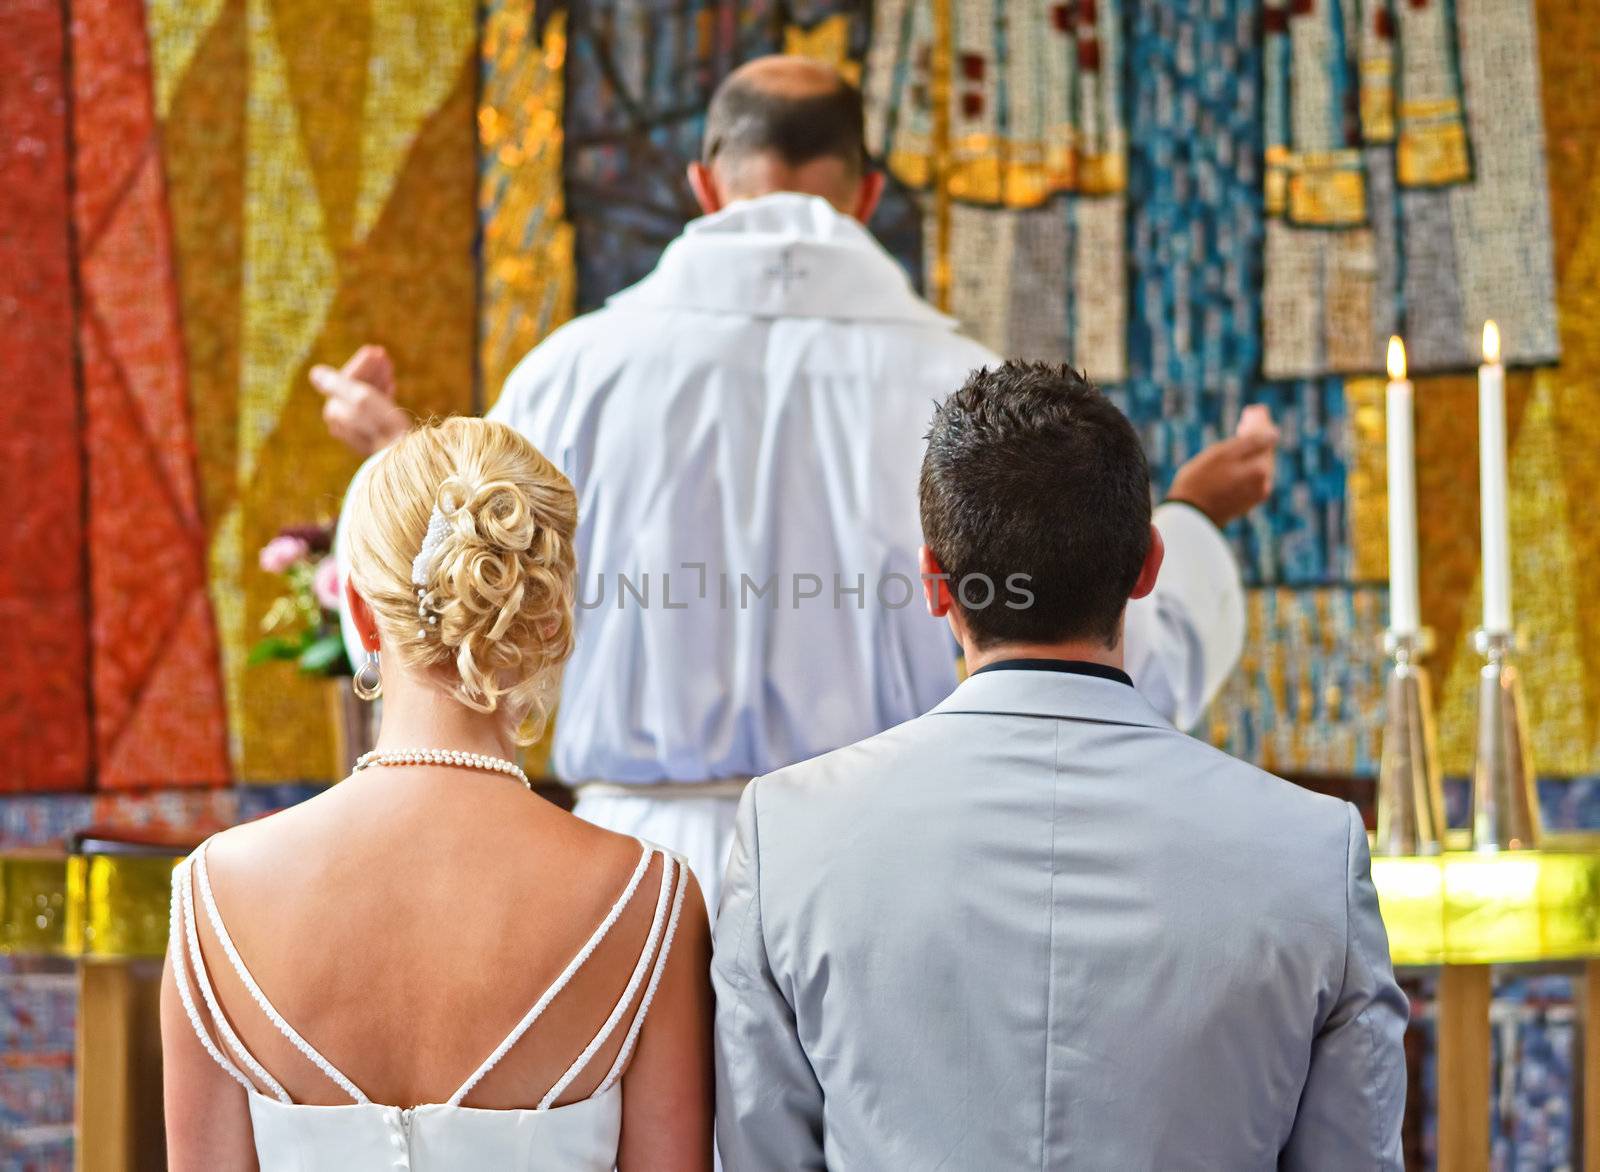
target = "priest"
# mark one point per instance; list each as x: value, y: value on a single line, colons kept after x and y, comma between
x: 744, y: 428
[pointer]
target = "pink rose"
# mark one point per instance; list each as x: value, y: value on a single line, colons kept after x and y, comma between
x: 282, y: 552
x: 325, y: 583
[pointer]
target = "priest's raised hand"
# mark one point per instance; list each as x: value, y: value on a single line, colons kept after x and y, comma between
x: 360, y: 408
x: 1232, y: 476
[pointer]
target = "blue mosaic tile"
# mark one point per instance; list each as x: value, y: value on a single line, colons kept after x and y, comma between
x: 1196, y: 225
x: 43, y: 819
x: 1534, y: 1039
x: 256, y: 801
x: 38, y: 1019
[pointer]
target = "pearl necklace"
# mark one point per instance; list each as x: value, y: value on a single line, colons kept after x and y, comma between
x: 444, y: 757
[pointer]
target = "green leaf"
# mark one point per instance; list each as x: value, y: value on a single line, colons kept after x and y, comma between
x: 273, y: 648
x: 325, y: 656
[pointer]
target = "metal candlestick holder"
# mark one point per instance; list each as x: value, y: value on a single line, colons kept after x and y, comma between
x: 1505, y: 801
x: 1410, y: 800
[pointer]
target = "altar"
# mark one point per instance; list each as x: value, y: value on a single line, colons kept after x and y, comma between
x: 1462, y: 913
x: 1458, y: 914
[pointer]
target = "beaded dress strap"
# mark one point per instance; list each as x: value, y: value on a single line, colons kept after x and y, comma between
x: 277, y: 1019
x: 183, y: 894
x: 632, y: 1039
x: 180, y: 976
x: 669, y: 875
x: 561, y: 981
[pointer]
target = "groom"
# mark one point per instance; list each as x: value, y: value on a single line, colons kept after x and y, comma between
x: 1038, y: 927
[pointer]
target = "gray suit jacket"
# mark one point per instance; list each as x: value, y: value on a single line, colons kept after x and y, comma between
x: 1040, y: 928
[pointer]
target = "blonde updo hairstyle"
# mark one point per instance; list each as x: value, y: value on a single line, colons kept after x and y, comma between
x: 493, y: 621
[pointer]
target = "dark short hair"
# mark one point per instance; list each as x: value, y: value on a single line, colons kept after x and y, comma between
x: 747, y: 119
x: 1031, y: 470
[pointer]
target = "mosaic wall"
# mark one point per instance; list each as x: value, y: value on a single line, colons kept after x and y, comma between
x: 1207, y: 312
x: 1405, y: 185
x: 44, y: 638
x: 1138, y: 187
x: 1007, y: 118
x: 1184, y: 198
x: 322, y: 165
x: 38, y: 1019
x: 1299, y: 181
x: 107, y: 575
x: 1554, y: 471
x: 527, y: 279
x: 200, y: 200
x: 1552, y: 433
x: 157, y: 693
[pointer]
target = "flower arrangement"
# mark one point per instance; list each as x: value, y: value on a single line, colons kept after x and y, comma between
x: 303, y: 624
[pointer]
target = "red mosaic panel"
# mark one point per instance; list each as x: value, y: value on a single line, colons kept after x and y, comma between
x: 158, y: 712
x: 44, y: 701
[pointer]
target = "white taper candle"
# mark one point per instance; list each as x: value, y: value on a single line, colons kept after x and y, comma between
x: 1404, y: 607
x: 1492, y: 486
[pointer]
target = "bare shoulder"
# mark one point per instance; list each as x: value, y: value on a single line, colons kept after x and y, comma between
x: 600, y: 846
x: 619, y: 855
x: 262, y: 845
x: 249, y: 846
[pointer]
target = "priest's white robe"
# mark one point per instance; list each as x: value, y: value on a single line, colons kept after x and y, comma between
x: 745, y: 428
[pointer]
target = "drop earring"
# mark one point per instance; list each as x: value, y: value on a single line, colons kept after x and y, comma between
x: 367, y: 684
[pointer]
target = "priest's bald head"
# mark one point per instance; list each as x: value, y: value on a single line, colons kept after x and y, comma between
x: 786, y: 124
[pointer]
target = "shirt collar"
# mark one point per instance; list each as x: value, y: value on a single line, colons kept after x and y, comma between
x: 1053, y: 694
x: 1076, y: 667
x: 782, y: 255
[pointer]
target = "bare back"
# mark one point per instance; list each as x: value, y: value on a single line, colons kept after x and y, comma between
x: 407, y: 921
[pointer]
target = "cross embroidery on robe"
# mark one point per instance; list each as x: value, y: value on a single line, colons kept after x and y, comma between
x: 786, y: 272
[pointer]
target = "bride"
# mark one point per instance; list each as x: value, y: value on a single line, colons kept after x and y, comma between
x: 427, y: 967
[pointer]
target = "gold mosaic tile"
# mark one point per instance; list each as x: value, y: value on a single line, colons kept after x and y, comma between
x: 529, y: 279
x: 1308, y: 694
x: 1546, y: 593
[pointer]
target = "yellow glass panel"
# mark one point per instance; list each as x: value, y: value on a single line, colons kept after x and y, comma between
x: 1456, y: 908
x: 1411, y: 898
x: 118, y: 905
x: 1467, y: 908
x: 33, y: 905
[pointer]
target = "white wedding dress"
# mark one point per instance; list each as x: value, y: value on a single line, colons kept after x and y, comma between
x: 298, y: 1137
